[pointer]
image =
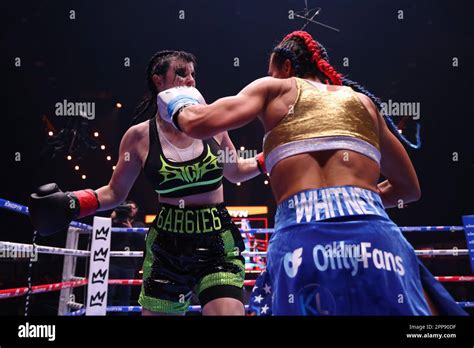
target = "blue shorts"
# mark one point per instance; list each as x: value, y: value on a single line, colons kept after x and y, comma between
x: 336, y: 252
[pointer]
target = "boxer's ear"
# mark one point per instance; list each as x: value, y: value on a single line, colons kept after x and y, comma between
x: 158, y: 81
x: 287, y: 68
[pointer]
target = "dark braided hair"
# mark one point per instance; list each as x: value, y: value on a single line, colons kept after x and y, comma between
x: 309, y: 57
x: 158, y: 65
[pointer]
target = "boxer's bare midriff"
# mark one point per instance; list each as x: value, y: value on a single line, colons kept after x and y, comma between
x: 323, y: 169
x: 207, y: 198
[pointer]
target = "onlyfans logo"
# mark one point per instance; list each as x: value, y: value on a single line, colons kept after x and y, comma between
x: 292, y: 262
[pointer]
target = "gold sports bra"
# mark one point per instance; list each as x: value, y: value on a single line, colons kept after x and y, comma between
x: 322, y: 120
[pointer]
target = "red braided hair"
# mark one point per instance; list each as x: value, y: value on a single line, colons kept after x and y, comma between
x: 315, y: 52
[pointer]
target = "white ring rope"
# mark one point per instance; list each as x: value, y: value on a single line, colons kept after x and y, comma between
x: 41, y: 249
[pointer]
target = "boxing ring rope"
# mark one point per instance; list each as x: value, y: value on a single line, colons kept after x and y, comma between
x: 127, y: 309
x: 137, y: 309
x: 18, y: 208
x: 37, y: 289
x: 77, y: 281
x: 41, y: 249
x: 16, y: 292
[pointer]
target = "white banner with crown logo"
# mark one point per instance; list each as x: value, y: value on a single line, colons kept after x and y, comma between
x: 99, y: 267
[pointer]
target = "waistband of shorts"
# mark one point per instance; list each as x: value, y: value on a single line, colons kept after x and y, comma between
x: 192, y: 220
x: 328, y: 203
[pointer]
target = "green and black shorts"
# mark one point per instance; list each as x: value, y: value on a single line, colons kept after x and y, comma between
x: 191, y: 250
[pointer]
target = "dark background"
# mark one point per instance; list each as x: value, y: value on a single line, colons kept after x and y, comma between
x: 82, y: 60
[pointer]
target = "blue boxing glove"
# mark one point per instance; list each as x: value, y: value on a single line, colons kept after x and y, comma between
x: 173, y: 100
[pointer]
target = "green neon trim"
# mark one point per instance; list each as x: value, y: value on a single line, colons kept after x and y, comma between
x: 202, y: 183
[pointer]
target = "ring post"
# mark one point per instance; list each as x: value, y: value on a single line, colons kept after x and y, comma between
x: 69, y: 270
x: 468, y: 221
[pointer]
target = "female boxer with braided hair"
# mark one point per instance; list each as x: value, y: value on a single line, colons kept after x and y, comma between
x: 316, y: 60
x: 193, y: 245
x: 334, y: 251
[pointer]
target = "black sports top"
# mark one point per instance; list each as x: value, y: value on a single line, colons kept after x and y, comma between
x: 178, y: 179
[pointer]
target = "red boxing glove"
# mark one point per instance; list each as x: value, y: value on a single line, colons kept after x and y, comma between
x: 261, y: 163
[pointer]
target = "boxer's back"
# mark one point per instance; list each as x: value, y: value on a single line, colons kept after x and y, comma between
x: 339, y: 165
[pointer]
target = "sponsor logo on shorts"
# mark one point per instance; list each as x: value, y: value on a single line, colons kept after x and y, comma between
x: 315, y: 299
x: 292, y: 261
x: 349, y: 256
x: 342, y: 256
